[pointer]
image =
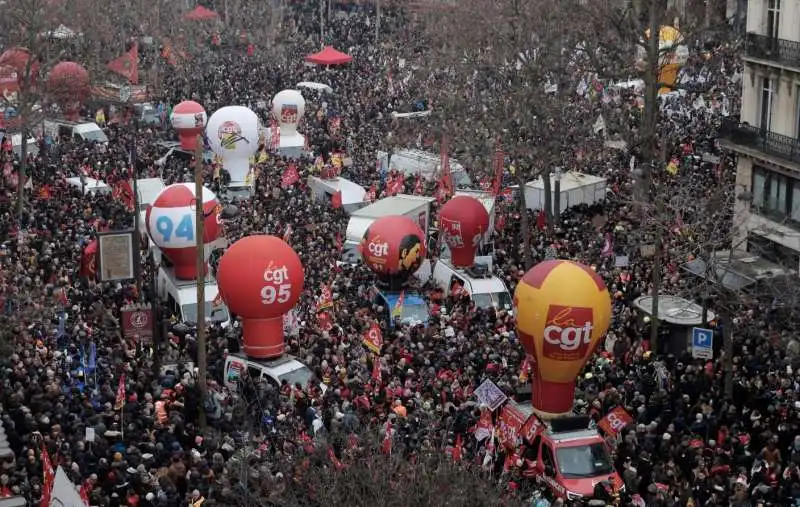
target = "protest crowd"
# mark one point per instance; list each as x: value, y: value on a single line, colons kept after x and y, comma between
x: 64, y: 352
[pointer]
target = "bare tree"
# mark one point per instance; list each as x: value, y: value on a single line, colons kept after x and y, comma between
x: 510, y: 77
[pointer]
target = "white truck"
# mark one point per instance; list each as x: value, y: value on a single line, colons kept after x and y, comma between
x: 415, y: 207
x: 427, y: 165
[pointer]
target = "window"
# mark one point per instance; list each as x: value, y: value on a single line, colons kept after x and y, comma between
x: 255, y: 373
x: 767, y: 96
x: 773, y: 18
x: 776, y: 196
x: 589, y: 460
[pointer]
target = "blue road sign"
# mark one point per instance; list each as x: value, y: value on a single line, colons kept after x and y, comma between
x: 702, y: 343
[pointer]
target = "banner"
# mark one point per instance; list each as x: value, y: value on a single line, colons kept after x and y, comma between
x: 373, y: 338
x: 509, y: 426
x: 615, y: 421
x: 137, y: 323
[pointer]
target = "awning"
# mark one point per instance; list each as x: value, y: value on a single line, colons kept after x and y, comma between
x: 329, y: 56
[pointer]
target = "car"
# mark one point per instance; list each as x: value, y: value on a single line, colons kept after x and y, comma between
x: 275, y: 371
x: 414, y: 309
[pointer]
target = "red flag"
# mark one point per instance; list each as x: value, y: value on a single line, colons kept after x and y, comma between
x: 458, y: 448
x: 371, y: 194
x: 525, y: 370
x: 333, y: 125
x: 396, y: 184
x: 123, y: 192
x: 541, y: 220
x: 290, y: 176
x: 386, y: 446
x: 45, y: 193
x: 324, y: 321
x: 120, y: 401
x: 325, y: 298
x: 336, y: 200
x: 338, y: 465
x: 84, y: 493
x: 419, y: 188
x: 373, y: 338
x: 499, y: 158
x: 376, y: 370
x: 501, y: 223
x: 339, y: 244
x: 127, y: 65
x: 49, y: 475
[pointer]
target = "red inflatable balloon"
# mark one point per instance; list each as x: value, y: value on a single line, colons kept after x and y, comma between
x: 18, y: 58
x: 69, y: 86
x: 463, y: 221
x: 260, y: 279
x: 393, y: 247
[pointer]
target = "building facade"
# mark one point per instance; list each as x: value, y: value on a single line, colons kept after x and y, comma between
x: 766, y: 139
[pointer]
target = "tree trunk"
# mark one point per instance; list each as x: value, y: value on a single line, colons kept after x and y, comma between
x: 652, y: 67
x: 21, y: 177
x: 548, y: 198
x: 557, y: 198
x: 524, y: 223
x: 656, y: 281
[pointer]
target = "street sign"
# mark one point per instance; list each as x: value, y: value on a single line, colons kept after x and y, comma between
x: 702, y: 343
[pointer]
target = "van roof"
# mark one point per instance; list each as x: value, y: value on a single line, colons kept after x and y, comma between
x: 395, y: 205
x: 187, y: 293
x: 90, y: 182
x: 149, y: 189
x: 575, y: 436
x: 277, y: 366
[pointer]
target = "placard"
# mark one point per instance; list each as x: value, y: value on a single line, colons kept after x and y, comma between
x: 90, y: 435
x: 137, y: 323
x: 116, y: 256
x: 490, y: 395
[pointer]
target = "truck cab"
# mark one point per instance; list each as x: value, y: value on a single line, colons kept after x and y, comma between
x: 181, y: 298
x: 477, y: 281
x: 563, y: 455
x: 414, y: 309
x: 275, y: 371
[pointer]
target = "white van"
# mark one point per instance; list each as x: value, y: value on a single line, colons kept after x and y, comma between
x: 16, y: 145
x: 353, y: 194
x: 485, y: 289
x: 76, y: 131
x: 275, y: 371
x: 181, y: 298
x: 89, y: 185
x: 418, y: 162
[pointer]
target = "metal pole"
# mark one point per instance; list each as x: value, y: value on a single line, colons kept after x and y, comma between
x: 201, y: 275
x: 137, y: 239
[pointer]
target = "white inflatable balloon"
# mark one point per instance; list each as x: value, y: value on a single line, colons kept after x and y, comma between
x: 288, y: 107
x: 232, y: 133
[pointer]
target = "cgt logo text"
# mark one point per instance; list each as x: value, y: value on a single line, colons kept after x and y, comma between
x: 567, y: 333
x: 277, y: 288
x: 378, y: 248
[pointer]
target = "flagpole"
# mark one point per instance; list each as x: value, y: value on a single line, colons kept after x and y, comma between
x: 136, y: 232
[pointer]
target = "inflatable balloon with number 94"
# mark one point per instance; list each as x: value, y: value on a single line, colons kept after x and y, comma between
x: 171, y: 226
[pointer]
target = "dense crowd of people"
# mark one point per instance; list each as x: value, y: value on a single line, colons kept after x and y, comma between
x: 690, y: 444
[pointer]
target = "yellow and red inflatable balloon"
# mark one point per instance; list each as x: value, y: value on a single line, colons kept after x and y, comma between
x: 563, y: 310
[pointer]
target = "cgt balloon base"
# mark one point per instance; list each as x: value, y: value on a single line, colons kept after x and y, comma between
x: 551, y: 400
x: 263, y: 338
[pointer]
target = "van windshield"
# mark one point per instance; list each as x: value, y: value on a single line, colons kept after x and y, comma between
x: 213, y: 313
x: 580, y: 461
x: 418, y: 312
x: 498, y: 300
x: 94, y: 135
x: 299, y: 376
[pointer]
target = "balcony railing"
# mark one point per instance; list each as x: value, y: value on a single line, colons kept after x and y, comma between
x: 761, y: 139
x: 782, y: 51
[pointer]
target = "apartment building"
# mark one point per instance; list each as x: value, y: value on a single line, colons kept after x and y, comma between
x: 766, y: 139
